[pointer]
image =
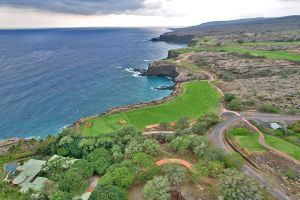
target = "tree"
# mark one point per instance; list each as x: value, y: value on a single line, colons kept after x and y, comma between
x: 234, y: 160
x: 60, y: 195
x: 83, y: 168
x: 109, y: 192
x: 72, y: 183
x: 229, y: 97
x: 100, y: 159
x: 146, y: 168
x: 200, y: 127
x: 182, y: 123
x: 149, y: 146
x: 117, y: 153
x: 157, y: 189
x: 57, y: 166
x: 235, y: 104
x: 235, y: 185
x: 121, y: 177
x: 215, y: 168
x: 175, y: 173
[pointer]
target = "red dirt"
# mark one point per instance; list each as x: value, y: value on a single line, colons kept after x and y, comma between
x: 176, y: 161
x: 88, y: 125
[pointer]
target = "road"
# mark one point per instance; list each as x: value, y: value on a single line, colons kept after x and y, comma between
x: 217, y: 138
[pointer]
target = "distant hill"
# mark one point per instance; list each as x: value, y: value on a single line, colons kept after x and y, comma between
x: 185, y: 35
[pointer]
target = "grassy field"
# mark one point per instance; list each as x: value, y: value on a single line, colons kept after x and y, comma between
x: 284, y: 146
x: 246, y: 139
x: 282, y: 55
x: 197, y: 99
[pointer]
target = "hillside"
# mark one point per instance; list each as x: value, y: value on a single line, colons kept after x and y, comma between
x: 252, y: 25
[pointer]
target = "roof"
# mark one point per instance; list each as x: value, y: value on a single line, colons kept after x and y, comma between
x: 37, y: 185
x: 275, y: 126
x: 29, y: 170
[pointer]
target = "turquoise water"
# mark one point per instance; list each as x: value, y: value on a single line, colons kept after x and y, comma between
x: 11, y: 168
x: 51, y: 78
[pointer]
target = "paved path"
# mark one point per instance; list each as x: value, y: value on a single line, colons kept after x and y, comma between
x: 93, y: 184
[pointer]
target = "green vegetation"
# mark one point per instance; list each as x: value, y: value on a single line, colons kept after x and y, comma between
x: 245, y: 138
x: 197, y: 99
x: 235, y: 185
x: 284, y: 146
x: 276, y: 54
x: 269, y: 108
x: 109, y: 192
x: 157, y: 189
x: 175, y: 173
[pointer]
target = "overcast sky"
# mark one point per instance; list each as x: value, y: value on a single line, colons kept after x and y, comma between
x: 120, y: 13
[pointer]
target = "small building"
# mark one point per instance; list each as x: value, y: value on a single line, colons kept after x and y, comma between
x: 29, y: 171
x: 37, y: 185
x: 275, y: 126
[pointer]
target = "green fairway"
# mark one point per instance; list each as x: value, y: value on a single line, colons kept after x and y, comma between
x: 246, y: 138
x: 197, y: 99
x: 277, y: 54
x: 283, y: 146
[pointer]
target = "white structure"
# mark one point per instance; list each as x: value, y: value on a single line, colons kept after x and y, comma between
x: 275, y: 126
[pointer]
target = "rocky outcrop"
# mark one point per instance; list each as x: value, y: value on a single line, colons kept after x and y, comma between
x: 173, y: 38
x: 173, y: 70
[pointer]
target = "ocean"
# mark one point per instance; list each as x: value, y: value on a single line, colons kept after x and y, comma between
x: 49, y: 78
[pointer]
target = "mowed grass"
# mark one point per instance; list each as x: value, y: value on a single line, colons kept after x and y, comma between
x: 246, y: 139
x: 283, y: 146
x: 276, y: 54
x: 197, y: 99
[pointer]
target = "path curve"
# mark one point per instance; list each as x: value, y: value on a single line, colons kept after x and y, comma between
x: 184, y: 163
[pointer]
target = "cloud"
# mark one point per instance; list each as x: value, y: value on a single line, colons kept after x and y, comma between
x: 84, y: 7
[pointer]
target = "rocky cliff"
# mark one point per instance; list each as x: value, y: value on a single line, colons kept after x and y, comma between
x: 173, y: 70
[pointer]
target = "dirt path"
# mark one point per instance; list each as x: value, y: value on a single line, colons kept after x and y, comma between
x: 184, y: 163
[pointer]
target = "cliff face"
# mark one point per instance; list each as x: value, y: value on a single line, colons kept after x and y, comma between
x: 161, y: 69
x: 178, y: 73
x: 174, y: 38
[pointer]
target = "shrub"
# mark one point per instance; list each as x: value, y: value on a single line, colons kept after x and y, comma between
x: 165, y: 125
x: 72, y: 183
x: 234, y: 160
x: 229, y: 97
x: 83, y: 168
x: 235, y: 104
x: 200, y: 128
x: 60, y: 195
x: 182, y: 123
x: 291, y: 175
x: 100, y: 159
x: 121, y: 177
x: 174, y: 173
x: 109, y: 192
x: 269, y: 108
x: 240, y: 41
x: 157, y: 189
x: 146, y: 168
x: 235, y: 185
x: 227, y: 76
x: 294, y: 111
x: 149, y: 146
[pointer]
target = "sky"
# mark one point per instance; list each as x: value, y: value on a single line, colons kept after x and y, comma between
x: 135, y: 13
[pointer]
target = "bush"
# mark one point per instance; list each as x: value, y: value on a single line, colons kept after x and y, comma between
x: 291, y: 175
x: 235, y: 104
x: 294, y: 111
x: 235, y: 185
x: 149, y: 146
x: 72, y: 183
x: 83, y: 168
x: 234, y: 160
x: 165, y: 126
x: 175, y: 174
x: 100, y: 159
x: 183, y: 123
x: 60, y: 195
x: 157, y: 189
x: 109, y: 192
x: 146, y: 167
x: 227, y: 76
x: 229, y: 97
x: 240, y: 41
x: 121, y: 177
x: 269, y: 108
x: 200, y: 128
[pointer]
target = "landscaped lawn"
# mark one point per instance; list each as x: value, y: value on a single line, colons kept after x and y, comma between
x: 284, y: 146
x: 246, y: 139
x: 197, y: 99
x: 277, y: 54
